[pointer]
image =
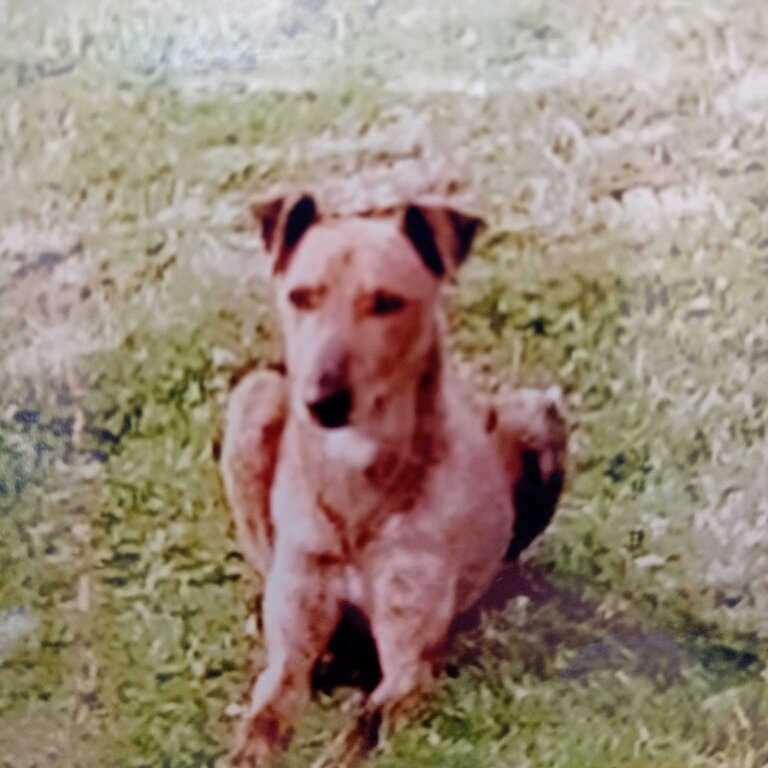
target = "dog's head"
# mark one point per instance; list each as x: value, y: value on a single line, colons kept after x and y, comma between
x: 357, y: 301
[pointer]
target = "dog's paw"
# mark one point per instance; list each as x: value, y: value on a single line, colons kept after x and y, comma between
x: 253, y: 754
x: 255, y: 743
x: 532, y: 420
x: 353, y: 744
x: 547, y: 433
x: 532, y: 434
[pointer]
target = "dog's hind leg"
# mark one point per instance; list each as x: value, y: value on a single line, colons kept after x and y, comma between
x: 254, y: 424
x: 532, y: 436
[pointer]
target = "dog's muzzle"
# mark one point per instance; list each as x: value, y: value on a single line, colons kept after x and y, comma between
x: 332, y: 411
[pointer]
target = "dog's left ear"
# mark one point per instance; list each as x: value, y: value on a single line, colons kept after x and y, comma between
x: 441, y: 235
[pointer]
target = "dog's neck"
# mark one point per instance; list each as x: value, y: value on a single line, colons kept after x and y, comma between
x: 359, y: 474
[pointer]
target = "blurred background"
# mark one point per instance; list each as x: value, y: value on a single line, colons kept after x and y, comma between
x: 619, y: 153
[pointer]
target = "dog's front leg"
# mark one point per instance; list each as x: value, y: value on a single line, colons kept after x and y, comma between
x: 256, y: 416
x: 414, y: 601
x: 414, y: 604
x: 301, y: 610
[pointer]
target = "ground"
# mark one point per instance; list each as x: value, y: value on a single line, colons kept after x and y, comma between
x: 619, y: 154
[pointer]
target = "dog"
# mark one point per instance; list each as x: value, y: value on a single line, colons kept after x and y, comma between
x: 364, y: 477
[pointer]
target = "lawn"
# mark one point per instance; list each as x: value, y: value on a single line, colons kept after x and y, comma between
x: 619, y: 153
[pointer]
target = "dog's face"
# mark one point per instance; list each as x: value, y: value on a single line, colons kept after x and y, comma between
x: 357, y: 300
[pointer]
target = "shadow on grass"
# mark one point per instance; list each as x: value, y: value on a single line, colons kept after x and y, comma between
x: 563, y: 633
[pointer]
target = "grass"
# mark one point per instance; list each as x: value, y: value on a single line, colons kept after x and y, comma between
x: 618, y: 154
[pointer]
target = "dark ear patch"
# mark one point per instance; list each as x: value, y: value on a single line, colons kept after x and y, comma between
x: 300, y: 218
x: 419, y: 232
x: 465, y: 228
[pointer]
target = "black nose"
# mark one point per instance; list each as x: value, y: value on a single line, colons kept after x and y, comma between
x: 333, y: 411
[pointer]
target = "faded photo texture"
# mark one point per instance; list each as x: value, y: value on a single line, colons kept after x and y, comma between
x: 618, y: 152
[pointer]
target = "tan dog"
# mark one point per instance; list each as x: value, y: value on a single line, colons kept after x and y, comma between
x: 364, y: 477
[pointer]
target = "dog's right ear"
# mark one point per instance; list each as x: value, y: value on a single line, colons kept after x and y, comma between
x: 284, y: 221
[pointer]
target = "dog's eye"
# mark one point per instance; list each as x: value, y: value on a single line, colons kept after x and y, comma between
x: 306, y: 298
x: 383, y: 303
